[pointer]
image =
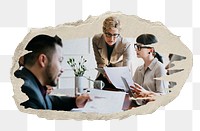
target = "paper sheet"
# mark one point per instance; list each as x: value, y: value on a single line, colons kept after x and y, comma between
x: 105, y: 101
x: 115, y: 74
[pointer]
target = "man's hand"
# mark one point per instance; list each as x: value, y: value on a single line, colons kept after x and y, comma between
x: 82, y: 100
x: 49, y: 89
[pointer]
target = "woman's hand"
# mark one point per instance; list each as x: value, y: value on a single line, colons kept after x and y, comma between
x: 140, y: 92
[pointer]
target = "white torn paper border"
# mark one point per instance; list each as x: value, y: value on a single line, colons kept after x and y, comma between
x: 132, y: 26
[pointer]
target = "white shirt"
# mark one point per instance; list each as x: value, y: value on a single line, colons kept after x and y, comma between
x: 145, y: 78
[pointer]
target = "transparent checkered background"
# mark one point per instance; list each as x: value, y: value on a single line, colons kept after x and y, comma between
x: 180, y: 16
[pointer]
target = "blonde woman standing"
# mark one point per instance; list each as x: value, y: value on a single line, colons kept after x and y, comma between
x: 111, y: 49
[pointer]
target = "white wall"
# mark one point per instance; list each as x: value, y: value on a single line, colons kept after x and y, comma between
x: 76, y: 48
x: 83, y: 47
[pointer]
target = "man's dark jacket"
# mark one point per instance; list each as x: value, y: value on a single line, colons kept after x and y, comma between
x: 36, y: 99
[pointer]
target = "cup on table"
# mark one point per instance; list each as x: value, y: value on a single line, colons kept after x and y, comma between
x: 98, y: 84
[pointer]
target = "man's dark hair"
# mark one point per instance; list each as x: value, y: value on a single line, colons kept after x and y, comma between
x: 41, y: 44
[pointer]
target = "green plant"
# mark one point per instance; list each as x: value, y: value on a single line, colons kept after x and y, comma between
x: 78, y: 68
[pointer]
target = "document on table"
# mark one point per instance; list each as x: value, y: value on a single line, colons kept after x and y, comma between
x: 105, y: 101
x: 115, y: 75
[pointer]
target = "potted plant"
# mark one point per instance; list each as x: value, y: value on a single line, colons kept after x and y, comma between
x: 79, y: 69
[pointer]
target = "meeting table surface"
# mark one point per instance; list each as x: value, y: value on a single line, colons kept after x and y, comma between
x: 128, y: 103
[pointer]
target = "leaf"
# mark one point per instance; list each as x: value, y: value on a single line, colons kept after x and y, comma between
x: 78, y: 68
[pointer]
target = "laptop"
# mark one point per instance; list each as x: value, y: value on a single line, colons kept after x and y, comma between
x: 128, y: 88
x: 131, y: 94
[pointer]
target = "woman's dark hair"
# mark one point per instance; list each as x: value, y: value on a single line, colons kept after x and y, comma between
x: 148, y: 39
x: 159, y: 57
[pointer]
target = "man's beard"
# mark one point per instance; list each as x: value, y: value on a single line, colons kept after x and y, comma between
x: 50, y: 80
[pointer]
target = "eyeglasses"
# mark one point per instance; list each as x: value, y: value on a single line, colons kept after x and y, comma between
x: 139, y: 47
x: 109, y: 35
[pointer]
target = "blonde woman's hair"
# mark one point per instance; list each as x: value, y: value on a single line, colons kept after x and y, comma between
x: 111, y: 22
